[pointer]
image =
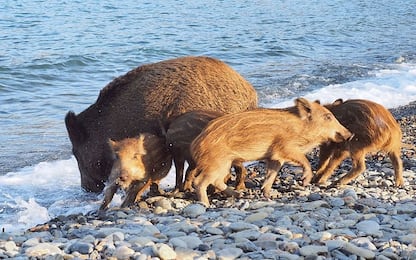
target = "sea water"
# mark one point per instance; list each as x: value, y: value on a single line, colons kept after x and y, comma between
x: 55, y: 56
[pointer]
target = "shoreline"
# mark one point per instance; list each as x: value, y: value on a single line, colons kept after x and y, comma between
x: 370, y: 218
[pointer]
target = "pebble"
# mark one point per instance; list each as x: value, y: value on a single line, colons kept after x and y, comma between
x: 367, y: 219
x: 194, y: 210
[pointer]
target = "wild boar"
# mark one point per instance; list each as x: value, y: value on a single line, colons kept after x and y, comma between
x: 179, y: 136
x: 138, y: 162
x: 135, y: 102
x: 374, y: 129
x: 274, y: 135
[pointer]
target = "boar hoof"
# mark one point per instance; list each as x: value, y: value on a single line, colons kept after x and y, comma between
x: 231, y: 193
x: 101, y: 214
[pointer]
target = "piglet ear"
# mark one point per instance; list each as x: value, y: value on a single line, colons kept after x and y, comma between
x: 112, y: 144
x: 76, y: 131
x: 304, y: 107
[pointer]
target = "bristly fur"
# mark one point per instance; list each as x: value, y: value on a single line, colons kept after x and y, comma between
x: 137, y: 101
x: 374, y: 129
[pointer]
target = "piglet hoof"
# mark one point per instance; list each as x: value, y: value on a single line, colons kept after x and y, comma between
x: 337, y: 184
x: 154, y: 190
x: 316, y: 179
x: 231, y: 193
x: 322, y: 184
x: 173, y: 193
x: 399, y: 183
x: 241, y: 187
x: 266, y: 195
x: 306, y: 182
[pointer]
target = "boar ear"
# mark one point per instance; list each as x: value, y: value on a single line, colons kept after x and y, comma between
x: 337, y: 102
x: 76, y: 131
x: 304, y: 108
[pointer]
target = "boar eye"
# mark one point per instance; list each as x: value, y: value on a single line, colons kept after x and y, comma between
x: 328, y: 117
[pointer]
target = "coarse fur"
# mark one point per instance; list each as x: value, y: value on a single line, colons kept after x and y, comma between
x: 135, y: 103
x: 138, y: 162
x: 274, y: 135
x: 374, y: 129
x: 179, y: 136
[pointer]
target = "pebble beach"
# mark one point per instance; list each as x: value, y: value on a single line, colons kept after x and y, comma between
x: 368, y: 219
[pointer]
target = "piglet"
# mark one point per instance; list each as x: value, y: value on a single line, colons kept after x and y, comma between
x: 274, y: 135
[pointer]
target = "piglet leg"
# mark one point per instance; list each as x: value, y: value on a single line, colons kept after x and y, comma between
x: 135, y: 189
x: 273, y: 167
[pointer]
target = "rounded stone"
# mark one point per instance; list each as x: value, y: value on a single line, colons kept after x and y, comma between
x: 256, y: 217
x: 42, y: 250
x: 229, y: 253
x: 194, y: 210
x: 123, y: 252
x: 313, y: 250
x: 164, y: 252
x: 369, y: 227
x: 81, y: 247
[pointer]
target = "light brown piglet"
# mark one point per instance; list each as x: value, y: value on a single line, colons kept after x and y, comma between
x: 274, y: 135
x: 179, y: 136
x: 138, y: 162
x: 374, y: 129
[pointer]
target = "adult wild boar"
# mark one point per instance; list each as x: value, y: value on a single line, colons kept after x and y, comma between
x: 374, y: 129
x: 179, y: 136
x: 138, y: 162
x: 135, y: 103
x: 274, y: 135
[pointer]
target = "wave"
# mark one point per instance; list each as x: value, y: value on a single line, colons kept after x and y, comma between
x: 391, y: 87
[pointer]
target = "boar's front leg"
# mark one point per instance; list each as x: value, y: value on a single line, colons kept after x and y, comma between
x: 179, y: 162
x: 273, y: 168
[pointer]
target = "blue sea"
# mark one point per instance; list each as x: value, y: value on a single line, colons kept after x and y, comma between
x: 55, y: 56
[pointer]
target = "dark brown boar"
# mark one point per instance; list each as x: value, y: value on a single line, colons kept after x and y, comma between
x: 274, y: 135
x: 138, y: 162
x: 134, y: 104
x: 179, y: 136
x: 374, y: 129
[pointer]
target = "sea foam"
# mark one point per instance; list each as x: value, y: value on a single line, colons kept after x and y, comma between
x: 390, y: 87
